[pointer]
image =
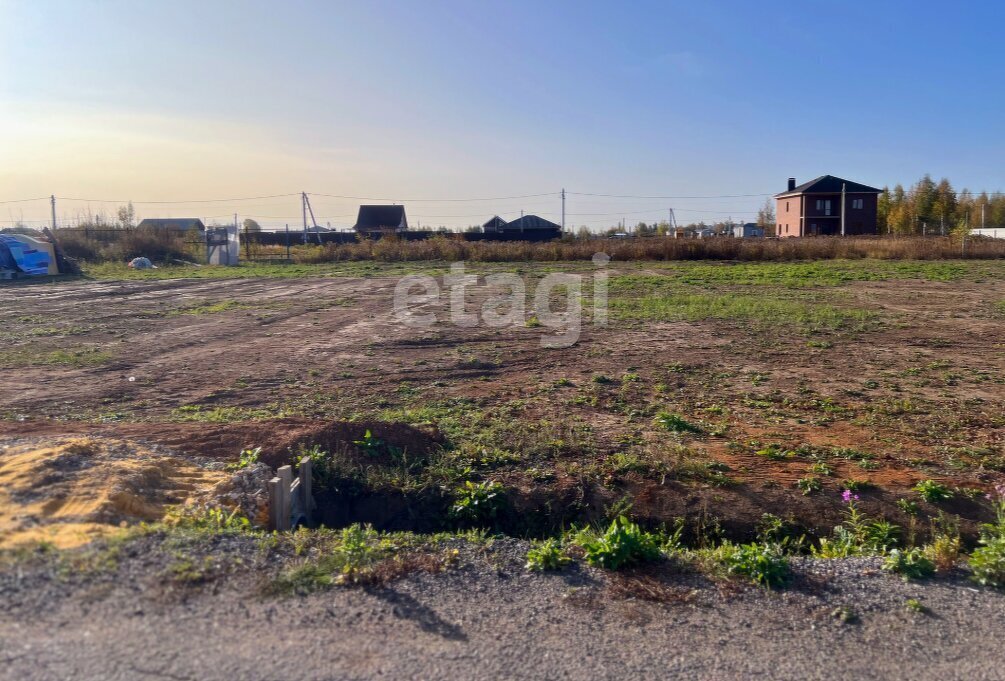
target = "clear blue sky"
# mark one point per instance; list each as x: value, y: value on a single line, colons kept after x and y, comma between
x: 212, y: 99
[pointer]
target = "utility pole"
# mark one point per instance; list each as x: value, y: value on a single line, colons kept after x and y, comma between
x: 303, y: 207
x: 52, y: 202
x: 843, y: 207
x: 563, y: 210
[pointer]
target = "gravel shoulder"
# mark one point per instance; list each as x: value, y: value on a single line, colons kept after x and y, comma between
x: 487, y: 618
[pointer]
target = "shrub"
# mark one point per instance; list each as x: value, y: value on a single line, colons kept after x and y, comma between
x: 910, y: 563
x: 932, y: 491
x: 157, y: 244
x: 547, y: 555
x: 624, y: 543
x: 764, y: 564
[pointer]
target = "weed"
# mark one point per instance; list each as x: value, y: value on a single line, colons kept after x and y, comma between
x: 765, y: 564
x: 909, y: 563
x: 547, y: 555
x: 845, y: 614
x: 908, y: 506
x: 932, y: 491
x: 208, y: 519
x: 476, y: 502
x: 944, y: 551
x: 676, y: 423
x: 248, y: 457
x: 775, y: 452
x: 856, y: 485
x: 916, y: 606
x: 533, y: 322
x: 821, y: 468
x: 809, y: 485
x: 858, y: 535
x: 350, y: 560
x: 988, y: 560
x: 369, y: 444
x: 624, y: 543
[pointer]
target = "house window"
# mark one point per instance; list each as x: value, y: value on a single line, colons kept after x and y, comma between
x: 857, y: 204
x: 786, y: 206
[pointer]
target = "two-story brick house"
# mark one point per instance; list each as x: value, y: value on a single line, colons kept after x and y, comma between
x: 828, y: 206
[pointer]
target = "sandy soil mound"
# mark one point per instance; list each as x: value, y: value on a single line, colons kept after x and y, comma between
x: 68, y: 491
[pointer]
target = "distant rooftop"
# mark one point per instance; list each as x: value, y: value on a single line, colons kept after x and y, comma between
x: 829, y: 184
x: 180, y: 224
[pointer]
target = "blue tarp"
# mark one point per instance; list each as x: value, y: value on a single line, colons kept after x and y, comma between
x: 22, y: 256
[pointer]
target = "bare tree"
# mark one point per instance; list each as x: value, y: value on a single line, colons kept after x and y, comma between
x: 766, y: 216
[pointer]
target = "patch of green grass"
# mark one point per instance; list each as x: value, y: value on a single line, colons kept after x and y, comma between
x: 198, y: 413
x: 655, y: 299
x: 207, y: 308
x: 246, y: 270
x: 76, y: 358
x: 818, y: 273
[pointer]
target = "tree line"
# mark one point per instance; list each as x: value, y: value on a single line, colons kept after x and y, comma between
x: 929, y: 207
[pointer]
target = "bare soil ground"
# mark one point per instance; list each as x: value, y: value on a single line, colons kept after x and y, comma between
x: 212, y: 366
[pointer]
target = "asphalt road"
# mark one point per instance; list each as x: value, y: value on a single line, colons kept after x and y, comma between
x: 491, y: 620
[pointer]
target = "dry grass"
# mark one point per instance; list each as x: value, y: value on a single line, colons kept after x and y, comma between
x: 819, y: 248
x: 158, y: 245
x: 102, y: 245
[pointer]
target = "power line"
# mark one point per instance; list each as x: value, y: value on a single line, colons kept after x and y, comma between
x: 401, y: 200
x: 243, y: 198
x: 41, y: 198
x: 710, y: 196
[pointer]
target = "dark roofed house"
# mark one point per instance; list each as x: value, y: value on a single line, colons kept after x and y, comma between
x: 531, y: 223
x: 827, y: 205
x: 174, y: 224
x: 496, y: 224
x: 381, y: 219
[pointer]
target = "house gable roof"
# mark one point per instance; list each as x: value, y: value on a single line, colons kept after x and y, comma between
x: 172, y: 223
x: 495, y: 223
x: 381, y: 217
x: 829, y: 184
x: 530, y: 222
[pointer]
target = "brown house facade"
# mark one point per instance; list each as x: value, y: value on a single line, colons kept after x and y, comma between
x: 816, y: 208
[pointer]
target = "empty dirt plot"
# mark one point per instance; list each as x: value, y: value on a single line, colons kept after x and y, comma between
x: 716, y: 392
